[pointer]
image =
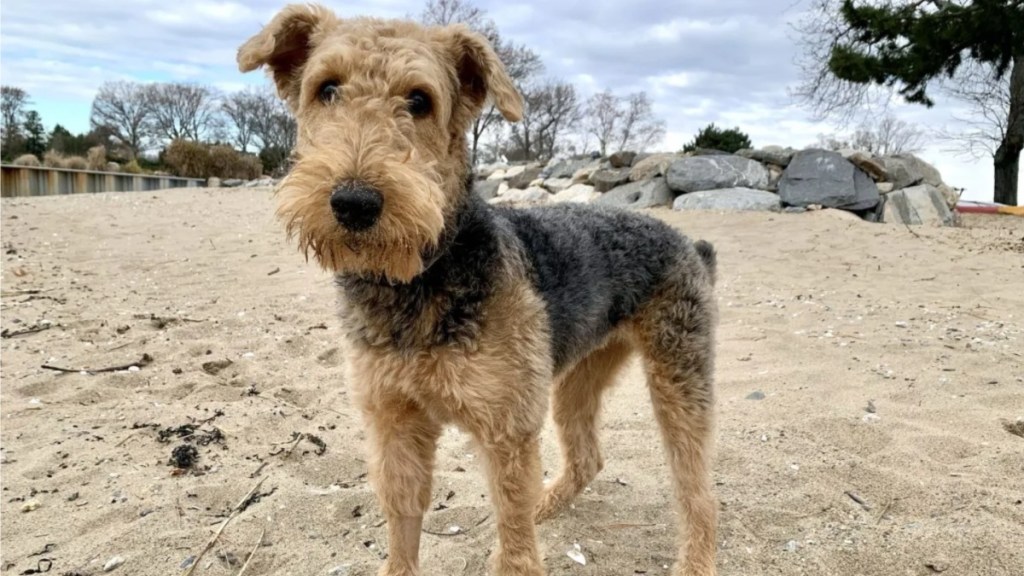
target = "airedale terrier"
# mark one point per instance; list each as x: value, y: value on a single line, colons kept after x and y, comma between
x: 456, y: 311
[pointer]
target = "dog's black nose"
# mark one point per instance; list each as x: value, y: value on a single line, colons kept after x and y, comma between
x: 356, y: 205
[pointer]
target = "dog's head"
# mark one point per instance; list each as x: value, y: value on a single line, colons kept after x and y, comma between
x: 382, y: 109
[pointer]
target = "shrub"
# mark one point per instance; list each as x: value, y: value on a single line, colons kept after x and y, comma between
x: 75, y: 163
x: 275, y: 160
x: 53, y: 159
x: 711, y: 137
x: 226, y: 162
x: 26, y: 160
x: 131, y: 168
x: 195, y: 160
x: 97, y: 157
x: 187, y: 158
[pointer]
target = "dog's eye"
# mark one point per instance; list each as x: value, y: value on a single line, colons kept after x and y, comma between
x: 419, y: 103
x: 329, y: 91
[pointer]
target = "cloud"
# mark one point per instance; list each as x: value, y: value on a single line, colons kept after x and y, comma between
x: 701, y: 61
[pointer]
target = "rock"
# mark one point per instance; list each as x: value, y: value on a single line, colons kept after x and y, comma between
x: 638, y: 195
x: 502, y: 188
x: 487, y: 169
x: 497, y: 175
x: 557, y: 184
x: 605, y: 180
x: 884, y: 187
x: 728, y: 199
x: 709, y: 152
x: 579, y: 193
x: 622, y: 159
x: 487, y: 189
x: 866, y: 162
x: 524, y: 178
x: 260, y: 182
x: 776, y: 155
x: 113, y: 563
x: 757, y: 395
x: 213, y: 182
x: 582, y: 176
x: 564, y: 168
x: 774, y: 175
x: 651, y: 166
x: 950, y: 194
x: 715, y: 172
x: 514, y: 171
x: 923, y: 204
x: 531, y: 195
x: 232, y: 183
x: 907, y: 170
x: 340, y: 570
x: 826, y: 178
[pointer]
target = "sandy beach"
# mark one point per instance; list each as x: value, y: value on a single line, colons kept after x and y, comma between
x: 870, y: 378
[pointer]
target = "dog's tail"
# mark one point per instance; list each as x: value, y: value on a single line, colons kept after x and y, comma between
x: 707, y: 255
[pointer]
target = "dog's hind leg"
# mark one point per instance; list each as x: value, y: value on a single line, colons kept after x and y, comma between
x: 576, y: 401
x: 676, y: 335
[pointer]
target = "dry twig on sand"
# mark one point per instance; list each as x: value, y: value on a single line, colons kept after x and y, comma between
x: 242, y: 505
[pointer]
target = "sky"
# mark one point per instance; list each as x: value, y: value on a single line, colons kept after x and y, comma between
x: 731, y: 62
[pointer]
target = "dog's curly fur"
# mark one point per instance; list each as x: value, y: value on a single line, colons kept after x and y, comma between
x: 459, y: 312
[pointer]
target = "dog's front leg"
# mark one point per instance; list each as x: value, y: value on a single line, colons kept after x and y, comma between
x: 403, y: 440
x: 514, y: 475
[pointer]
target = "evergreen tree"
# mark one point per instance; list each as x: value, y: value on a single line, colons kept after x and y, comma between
x: 909, y: 44
x: 712, y: 137
x: 35, y: 133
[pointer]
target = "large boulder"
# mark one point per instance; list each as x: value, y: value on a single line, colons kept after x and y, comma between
x: 730, y: 199
x: 522, y: 180
x: 564, y: 168
x: 651, y: 166
x: 922, y: 204
x: 776, y: 155
x: 644, y: 194
x: 906, y: 170
x: 605, y: 180
x: 869, y: 164
x: 622, y: 159
x: 579, y: 193
x: 555, y: 185
x: 485, y: 170
x: 487, y: 189
x: 827, y: 179
x: 532, y: 195
x: 715, y: 172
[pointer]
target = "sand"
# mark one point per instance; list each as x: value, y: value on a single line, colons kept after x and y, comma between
x: 890, y: 363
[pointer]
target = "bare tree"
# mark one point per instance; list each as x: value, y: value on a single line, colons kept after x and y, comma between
x: 888, y: 136
x: 622, y: 124
x: 984, y: 125
x: 551, y: 110
x: 241, y: 110
x: 13, y: 101
x: 122, y: 109
x: 520, y: 62
x: 183, y: 111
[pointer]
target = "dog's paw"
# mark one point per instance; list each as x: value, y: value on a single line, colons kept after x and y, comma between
x: 392, y: 569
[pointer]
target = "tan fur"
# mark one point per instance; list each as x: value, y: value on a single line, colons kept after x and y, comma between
x: 494, y: 386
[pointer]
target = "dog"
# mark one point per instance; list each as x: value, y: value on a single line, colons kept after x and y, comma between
x: 457, y: 311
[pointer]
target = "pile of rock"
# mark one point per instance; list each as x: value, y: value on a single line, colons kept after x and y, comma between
x: 900, y: 188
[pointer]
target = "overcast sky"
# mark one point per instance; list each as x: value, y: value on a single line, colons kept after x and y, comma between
x: 724, y: 61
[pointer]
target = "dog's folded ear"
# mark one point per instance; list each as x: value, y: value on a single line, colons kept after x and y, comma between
x: 283, y: 45
x: 481, y: 73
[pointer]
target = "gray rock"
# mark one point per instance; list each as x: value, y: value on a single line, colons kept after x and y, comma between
x: 530, y: 195
x: 564, y: 168
x: 232, y: 183
x: 622, y: 159
x: 923, y: 204
x: 709, y: 152
x: 638, y: 195
x: 728, y: 199
x: 906, y: 170
x: 776, y: 155
x: 487, y: 169
x: 605, y: 180
x: 522, y: 180
x: 827, y: 179
x: 557, y: 184
x: 213, y: 182
x: 757, y: 395
x: 260, y: 182
x: 715, y: 172
x: 579, y: 193
x: 486, y: 189
x: 651, y: 166
x: 869, y: 164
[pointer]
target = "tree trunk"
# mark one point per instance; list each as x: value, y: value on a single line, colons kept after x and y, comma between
x: 1007, y: 157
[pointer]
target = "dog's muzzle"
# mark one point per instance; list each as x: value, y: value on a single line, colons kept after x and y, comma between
x: 356, y: 205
